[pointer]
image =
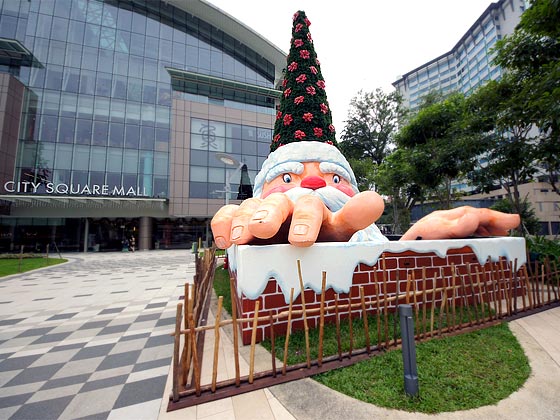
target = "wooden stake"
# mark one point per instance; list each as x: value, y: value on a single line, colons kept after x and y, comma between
x: 365, y: 318
x: 453, y: 296
x: 442, y: 307
x: 305, y: 325
x: 216, y: 343
x: 556, y: 280
x: 288, y: 331
x: 528, y: 286
x: 272, y: 344
x: 176, y: 349
x: 235, y: 331
x: 542, y: 285
x: 415, y: 300
x: 253, y: 342
x: 196, y: 368
x: 515, y: 282
x: 482, y: 293
x: 423, y: 302
x: 378, y: 314
x: 337, y: 321
x: 524, y: 289
x: 473, y: 294
x: 507, y: 290
x: 385, y: 303
x: 536, y: 281
x: 408, y: 283
x: 465, y: 300
x: 433, y: 306
x: 322, y: 319
x: 350, y: 324
x: 186, y: 355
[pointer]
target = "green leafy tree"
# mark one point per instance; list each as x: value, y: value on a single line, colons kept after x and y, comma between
x: 443, y: 147
x: 394, y: 180
x: 371, y: 126
x: 531, y: 57
x: 364, y: 170
x: 304, y: 113
x: 511, y: 158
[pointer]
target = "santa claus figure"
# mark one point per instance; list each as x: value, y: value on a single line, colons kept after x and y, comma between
x: 306, y: 191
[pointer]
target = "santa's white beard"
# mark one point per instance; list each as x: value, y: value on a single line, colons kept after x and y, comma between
x: 334, y: 199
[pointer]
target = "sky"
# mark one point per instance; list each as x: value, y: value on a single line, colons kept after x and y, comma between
x: 364, y: 45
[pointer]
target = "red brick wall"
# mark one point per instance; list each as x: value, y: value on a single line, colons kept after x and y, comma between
x: 398, y: 267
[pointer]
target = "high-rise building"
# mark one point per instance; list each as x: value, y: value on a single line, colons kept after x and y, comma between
x: 469, y: 63
x: 463, y: 69
x: 124, y: 118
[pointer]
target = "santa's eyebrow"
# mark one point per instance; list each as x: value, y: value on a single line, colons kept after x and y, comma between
x: 287, y: 167
x: 333, y: 168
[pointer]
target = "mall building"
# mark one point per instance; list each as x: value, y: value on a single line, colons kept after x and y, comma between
x: 127, y: 118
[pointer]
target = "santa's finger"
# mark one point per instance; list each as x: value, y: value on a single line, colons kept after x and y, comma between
x: 272, y: 212
x: 240, y: 233
x: 359, y: 212
x: 307, y: 218
x: 497, y: 222
x: 221, y: 225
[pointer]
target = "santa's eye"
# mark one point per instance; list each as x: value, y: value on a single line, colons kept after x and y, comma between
x: 287, y: 178
x: 336, y: 179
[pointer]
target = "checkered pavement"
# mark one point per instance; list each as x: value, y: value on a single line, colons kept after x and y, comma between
x: 90, y: 339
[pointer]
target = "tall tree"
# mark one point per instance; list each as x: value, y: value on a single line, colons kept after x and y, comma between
x: 394, y: 179
x: 371, y: 126
x: 511, y: 158
x: 442, y: 147
x: 531, y: 57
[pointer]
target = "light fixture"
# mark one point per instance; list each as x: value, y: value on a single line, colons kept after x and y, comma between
x: 230, y: 161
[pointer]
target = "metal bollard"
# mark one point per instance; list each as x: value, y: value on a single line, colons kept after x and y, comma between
x: 408, y: 350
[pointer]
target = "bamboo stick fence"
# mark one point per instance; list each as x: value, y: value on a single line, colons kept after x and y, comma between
x: 493, y: 293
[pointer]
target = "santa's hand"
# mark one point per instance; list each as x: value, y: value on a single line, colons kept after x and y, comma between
x: 276, y: 219
x: 462, y: 222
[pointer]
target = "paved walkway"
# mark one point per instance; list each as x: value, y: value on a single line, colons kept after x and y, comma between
x: 90, y: 339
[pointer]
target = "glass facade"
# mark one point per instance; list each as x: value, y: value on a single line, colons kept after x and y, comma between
x: 99, y: 92
x: 247, y: 144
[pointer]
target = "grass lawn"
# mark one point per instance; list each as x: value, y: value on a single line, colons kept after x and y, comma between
x: 455, y: 373
x: 12, y: 265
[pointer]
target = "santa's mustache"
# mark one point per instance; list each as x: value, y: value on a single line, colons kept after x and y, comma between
x: 334, y: 199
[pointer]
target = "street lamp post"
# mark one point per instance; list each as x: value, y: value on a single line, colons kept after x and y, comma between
x: 229, y: 161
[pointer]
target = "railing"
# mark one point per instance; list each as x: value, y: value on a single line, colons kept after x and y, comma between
x: 487, y: 297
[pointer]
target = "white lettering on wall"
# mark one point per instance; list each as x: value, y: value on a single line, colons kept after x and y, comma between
x: 66, y: 189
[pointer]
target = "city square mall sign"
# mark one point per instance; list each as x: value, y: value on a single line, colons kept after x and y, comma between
x: 66, y: 189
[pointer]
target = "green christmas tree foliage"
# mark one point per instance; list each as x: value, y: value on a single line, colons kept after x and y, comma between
x: 304, y: 113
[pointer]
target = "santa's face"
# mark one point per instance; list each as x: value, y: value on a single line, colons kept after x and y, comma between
x: 324, y: 180
x: 312, y: 176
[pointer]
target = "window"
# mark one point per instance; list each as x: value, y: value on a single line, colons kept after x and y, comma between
x: 116, y: 135
x: 100, y: 133
x: 81, y: 158
x: 66, y: 130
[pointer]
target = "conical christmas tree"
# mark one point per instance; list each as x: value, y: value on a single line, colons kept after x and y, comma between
x: 304, y: 113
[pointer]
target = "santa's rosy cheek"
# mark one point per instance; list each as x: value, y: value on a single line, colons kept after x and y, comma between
x: 346, y: 189
x: 278, y: 189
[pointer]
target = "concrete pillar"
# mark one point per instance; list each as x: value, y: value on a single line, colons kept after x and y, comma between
x: 145, y: 233
x: 86, y: 234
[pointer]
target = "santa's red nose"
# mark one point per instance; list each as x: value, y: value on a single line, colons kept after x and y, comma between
x: 313, y: 182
